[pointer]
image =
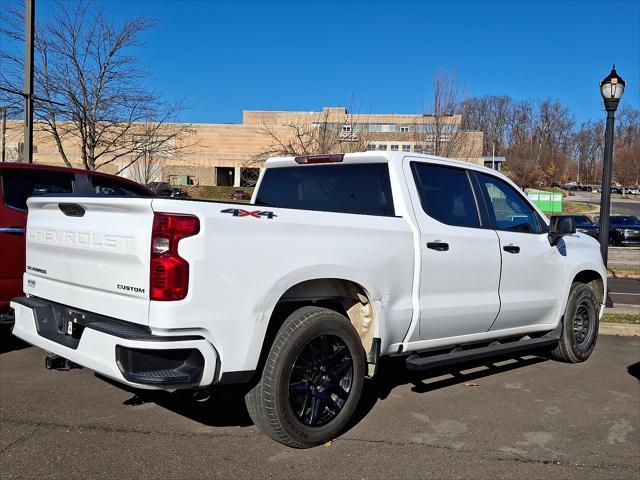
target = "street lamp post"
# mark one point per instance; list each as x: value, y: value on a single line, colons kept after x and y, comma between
x: 611, y: 88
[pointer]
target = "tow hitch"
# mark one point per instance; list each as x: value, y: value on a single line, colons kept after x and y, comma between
x: 54, y: 362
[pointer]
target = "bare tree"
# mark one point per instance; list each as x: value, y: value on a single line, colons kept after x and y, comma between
x: 491, y: 115
x: 587, y: 152
x: 85, y: 62
x: 441, y: 133
x: 329, y: 131
x: 626, y: 164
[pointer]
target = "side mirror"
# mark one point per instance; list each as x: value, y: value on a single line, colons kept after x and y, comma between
x: 559, y: 227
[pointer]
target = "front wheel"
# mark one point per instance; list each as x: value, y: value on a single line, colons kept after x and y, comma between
x: 580, y: 328
x: 312, y: 379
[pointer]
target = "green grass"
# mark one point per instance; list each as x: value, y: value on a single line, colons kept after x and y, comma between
x: 573, y: 208
x: 621, y: 318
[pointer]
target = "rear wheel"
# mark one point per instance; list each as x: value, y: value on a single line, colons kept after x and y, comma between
x: 312, y: 379
x: 580, y: 329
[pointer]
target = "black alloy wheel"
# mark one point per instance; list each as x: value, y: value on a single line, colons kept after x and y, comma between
x: 320, y: 380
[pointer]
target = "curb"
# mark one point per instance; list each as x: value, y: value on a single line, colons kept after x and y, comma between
x: 619, y: 329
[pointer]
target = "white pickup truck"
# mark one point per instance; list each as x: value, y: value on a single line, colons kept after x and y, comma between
x: 338, y: 261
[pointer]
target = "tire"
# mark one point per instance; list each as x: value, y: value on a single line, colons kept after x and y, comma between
x: 580, y: 326
x: 312, y: 379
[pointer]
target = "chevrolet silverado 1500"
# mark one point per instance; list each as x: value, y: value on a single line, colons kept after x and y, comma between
x: 337, y: 261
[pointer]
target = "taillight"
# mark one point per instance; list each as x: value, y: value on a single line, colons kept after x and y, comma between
x: 309, y: 159
x: 169, y: 276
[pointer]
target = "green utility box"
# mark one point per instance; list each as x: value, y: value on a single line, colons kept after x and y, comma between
x: 546, y: 201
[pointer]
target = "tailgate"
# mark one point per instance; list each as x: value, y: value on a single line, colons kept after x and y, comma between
x: 91, y: 254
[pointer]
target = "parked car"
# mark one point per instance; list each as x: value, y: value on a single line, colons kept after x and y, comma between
x: 239, y: 195
x: 584, y: 224
x: 19, y: 181
x: 632, y: 190
x: 624, y: 230
x: 339, y: 261
x: 164, y: 189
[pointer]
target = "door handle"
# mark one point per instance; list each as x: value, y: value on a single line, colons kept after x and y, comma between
x: 511, y: 248
x: 438, y: 246
x: 12, y: 230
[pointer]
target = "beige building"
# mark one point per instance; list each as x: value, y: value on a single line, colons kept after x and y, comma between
x: 230, y: 154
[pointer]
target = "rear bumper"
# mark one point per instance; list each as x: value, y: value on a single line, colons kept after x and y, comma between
x: 123, y: 352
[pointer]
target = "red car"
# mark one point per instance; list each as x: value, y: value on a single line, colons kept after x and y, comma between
x: 19, y: 181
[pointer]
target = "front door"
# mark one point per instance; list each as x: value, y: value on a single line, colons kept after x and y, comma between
x: 532, y: 270
x: 460, y: 259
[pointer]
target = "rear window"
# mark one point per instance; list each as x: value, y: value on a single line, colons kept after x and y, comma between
x: 111, y: 187
x: 18, y: 186
x: 353, y: 188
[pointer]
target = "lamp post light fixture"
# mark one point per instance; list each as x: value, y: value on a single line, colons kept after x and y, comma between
x: 611, y: 88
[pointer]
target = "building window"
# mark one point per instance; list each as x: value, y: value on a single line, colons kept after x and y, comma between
x: 394, y: 148
x: 404, y: 129
x: 374, y: 127
x: 417, y: 148
x: 371, y: 146
x: 406, y: 148
x: 346, y: 128
x: 181, y: 180
x: 382, y: 146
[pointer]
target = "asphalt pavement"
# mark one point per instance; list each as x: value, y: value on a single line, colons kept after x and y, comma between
x: 619, y: 206
x: 624, y: 291
x: 523, y: 417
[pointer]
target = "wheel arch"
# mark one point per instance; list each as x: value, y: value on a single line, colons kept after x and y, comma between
x: 594, y: 280
x: 349, y: 295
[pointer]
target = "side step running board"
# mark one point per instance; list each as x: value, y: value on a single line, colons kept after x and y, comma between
x: 418, y: 362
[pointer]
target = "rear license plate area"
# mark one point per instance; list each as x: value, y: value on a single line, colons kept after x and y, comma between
x: 72, y: 324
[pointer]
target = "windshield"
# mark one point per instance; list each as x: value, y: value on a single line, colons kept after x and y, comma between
x: 625, y: 220
x: 581, y: 219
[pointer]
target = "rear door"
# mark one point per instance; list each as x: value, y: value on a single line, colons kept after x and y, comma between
x: 460, y: 259
x: 91, y: 253
x: 532, y: 270
x: 17, y: 186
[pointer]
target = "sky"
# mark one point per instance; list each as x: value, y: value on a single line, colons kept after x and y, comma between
x: 380, y: 57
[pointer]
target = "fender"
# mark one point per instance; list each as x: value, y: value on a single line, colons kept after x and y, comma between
x: 275, y: 292
x: 581, y: 257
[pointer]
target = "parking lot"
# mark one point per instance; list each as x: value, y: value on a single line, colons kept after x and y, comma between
x: 516, y: 418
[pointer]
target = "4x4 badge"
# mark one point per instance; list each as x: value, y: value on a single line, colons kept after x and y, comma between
x: 238, y: 212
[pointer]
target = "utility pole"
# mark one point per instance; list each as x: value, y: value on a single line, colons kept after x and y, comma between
x: 29, y: 28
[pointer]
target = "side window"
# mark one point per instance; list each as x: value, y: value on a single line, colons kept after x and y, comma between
x: 510, y: 209
x: 110, y: 187
x: 20, y: 185
x: 446, y: 195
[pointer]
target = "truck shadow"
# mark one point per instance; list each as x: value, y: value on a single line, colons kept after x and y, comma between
x: 223, y: 407
x: 9, y: 343
x: 392, y: 374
